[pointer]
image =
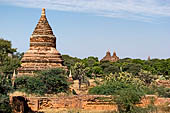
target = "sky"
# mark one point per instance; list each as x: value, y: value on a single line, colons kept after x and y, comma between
x: 83, y: 28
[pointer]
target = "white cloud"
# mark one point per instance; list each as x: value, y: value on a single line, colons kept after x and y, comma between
x: 145, y: 10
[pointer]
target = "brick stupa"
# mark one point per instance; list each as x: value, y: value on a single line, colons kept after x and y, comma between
x: 114, y: 58
x: 110, y: 58
x: 42, y: 53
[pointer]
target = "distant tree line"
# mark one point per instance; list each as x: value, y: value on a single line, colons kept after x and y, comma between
x: 157, y: 67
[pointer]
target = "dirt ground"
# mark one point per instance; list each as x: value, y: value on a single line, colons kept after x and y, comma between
x: 84, y: 88
x: 75, y: 111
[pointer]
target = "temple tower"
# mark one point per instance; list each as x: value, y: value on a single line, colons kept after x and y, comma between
x: 110, y: 58
x: 42, y: 53
x: 114, y: 58
x: 107, y: 57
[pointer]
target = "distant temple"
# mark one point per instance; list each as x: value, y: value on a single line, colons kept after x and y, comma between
x: 42, y: 53
x: 149, y: 58
x: 110, y: 58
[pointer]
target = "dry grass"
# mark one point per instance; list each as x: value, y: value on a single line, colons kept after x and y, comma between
x: 164, y: 108
x: 75, y: 111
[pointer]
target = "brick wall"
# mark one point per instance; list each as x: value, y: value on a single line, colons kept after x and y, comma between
x: 88, y: 102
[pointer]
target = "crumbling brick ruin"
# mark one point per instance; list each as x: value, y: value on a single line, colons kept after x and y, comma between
x: 42, y: 53
x: 86, y: 102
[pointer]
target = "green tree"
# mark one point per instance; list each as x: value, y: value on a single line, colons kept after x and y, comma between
x: 5, y: 89
x: 109, y: 67
x: 90, y: 61
x: 7, y: 63
x: 70, y: 61
x: 132, y: 68
x: 6, y: 47
x: 127, y: 98
x: 96, y: 70
x: 80, y: 71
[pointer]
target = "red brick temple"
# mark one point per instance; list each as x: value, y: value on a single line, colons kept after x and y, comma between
x: 42, y: 53
x: 110, y: 58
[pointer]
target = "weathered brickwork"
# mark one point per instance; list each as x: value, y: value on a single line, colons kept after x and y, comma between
x: 110, y: 58
x: 87, y: 102
x: 42, y: 53
x: 165, y: 83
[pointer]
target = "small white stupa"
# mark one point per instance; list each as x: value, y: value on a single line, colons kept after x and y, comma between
x: 70, y: 79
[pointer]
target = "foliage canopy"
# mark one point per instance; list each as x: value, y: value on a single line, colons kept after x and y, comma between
x: 45, y: 82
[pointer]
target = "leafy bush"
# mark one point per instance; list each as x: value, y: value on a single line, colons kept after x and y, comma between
x: 108, y: 88
x: 45, y: 82
x: 5, y: 84
x: 7, y: 63
x: 54, y: 80
x: 147, y: 77
x: 29, y: 85
x: 161, y: 91
x: 5, y: 107
x: 5, y: 88
x: 127, y: 98
x: 123, y: 77
x: 126, y: 94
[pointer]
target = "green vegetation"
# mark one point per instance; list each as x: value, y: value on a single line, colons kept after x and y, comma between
x: 5, y: 88
x: 51, y: 81
x: 8, y: 64
x: 70, y: 61
x: 128, y: 90
x: 80, y: 72
x: 160, y: 91
x: 156, y: 67
x: 8, y: 60
x: 127, y: 79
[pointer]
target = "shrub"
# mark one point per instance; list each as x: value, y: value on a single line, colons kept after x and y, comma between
x: 127, y: 98
x: 127, y: 95
x: 161, y: 91
x: 30, y: 85
x: 45, y: 82
x: 108, y: 88
x: 5, y: 88
x: 5, y: 107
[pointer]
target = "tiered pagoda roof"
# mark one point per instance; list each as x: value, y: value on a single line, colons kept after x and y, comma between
x: 42, y: 53
x: 110, y: 58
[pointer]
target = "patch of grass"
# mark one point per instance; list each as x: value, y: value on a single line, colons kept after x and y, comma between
x: 164, y: 108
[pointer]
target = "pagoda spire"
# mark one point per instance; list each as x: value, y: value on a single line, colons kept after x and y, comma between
x: 43, y: 12
x: 114, y: 53
x: 43, y: 27
x: 42, y: 53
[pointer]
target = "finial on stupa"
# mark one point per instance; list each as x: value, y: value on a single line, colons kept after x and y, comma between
x: 70, y: 79
x: 43, y: 12
x: 114, y: 53
x: 13, y: 78
x: 108, y: 51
